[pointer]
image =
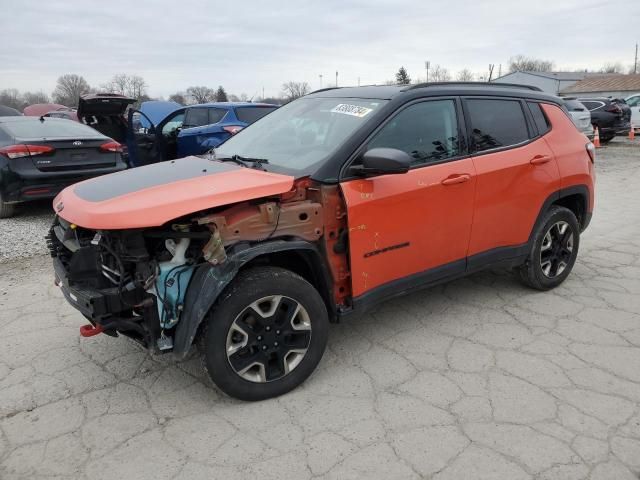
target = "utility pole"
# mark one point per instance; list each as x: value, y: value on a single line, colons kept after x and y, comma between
x: 499, y: 70
x: 320, y: 80
x: 635, y: 61
x: 427, y: 64
x: 491, y: 65
x: 336, y: 79
x: 263, y: 94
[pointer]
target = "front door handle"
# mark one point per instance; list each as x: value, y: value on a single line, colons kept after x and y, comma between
x: 456, y: 178
x: 540, y: 160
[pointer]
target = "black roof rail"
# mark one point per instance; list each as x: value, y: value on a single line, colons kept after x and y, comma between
x: 473, y: 84
x: 323, y: 90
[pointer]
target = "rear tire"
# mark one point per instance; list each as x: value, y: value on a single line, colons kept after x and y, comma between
x: 265, y: 335
x: 6, y: 209
x: 554, y: 250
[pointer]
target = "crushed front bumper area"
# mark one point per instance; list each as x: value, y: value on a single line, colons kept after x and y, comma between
x: 114, y: 311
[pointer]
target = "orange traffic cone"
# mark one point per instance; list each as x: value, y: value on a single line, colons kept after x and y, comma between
x: 596, y: 139
x: 632, y: 133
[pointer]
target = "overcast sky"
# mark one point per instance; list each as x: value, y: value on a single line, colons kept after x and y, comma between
x: 247, y: 45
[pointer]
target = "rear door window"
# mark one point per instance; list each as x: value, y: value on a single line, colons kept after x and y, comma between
x: 252, y: 114
x: 591, y: 105
x: 196, y: 117
x: 427, y: 131
x: 496, y: 123
x: 539, y: 118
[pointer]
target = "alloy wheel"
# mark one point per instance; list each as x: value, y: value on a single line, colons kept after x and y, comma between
x: 268, y: 339
x: 556, y: 249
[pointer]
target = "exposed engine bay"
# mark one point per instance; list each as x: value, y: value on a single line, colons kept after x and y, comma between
x: 147, y: 283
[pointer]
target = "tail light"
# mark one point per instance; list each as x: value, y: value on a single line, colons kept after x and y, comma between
x: 113, y: 147
x: 591, y: 150
x: 613, y: 108
x: 19, y: 151
x: 232, y: 129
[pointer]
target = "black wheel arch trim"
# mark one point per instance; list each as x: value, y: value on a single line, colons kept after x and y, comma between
x: 581, y: 190
x: 209, y: 281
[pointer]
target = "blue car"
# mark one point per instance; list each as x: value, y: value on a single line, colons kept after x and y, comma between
x: 161, y: 130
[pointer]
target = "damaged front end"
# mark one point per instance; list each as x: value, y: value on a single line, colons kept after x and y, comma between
x: 156, y: 285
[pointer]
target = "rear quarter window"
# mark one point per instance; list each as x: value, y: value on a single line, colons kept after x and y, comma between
x: 252, y: 114
x: 496, y: 123
x: 539, y: 118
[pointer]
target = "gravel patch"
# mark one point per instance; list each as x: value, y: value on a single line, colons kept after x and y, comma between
x: 22, y: 235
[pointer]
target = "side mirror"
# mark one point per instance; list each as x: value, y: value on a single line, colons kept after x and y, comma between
x: 383, y: 161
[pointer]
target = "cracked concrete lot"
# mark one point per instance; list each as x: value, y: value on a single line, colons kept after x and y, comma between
x: 477, y: 379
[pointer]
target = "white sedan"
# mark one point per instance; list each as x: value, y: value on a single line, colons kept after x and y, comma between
x: 634, y: 103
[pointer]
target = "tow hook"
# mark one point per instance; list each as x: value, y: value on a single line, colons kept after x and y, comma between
x: 90, y: 330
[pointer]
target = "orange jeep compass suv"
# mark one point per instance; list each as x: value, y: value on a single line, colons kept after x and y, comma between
x: 327, y: 206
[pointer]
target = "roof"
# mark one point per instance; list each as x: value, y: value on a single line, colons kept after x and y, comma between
x: 232, y: 104
x: 609, y: 83
x: 565, y: 76
x: 39, y: 109
x: 8, y: 111
x: 387, y: 92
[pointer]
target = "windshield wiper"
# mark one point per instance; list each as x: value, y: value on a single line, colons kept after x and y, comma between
x: 245, y: 161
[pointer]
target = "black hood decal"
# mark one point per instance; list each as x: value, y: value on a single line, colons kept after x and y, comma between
x: 129, y: 181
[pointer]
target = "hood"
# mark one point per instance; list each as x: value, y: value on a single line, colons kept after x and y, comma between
x: 153, y: 195
x: 156, y: 111
x: 103, y: 104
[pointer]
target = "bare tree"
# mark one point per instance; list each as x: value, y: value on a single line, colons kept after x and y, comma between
x: 402, y: 77
x: 244, y: 97
x: 69, y: 88
x: 31, y: 98
x: 439, y: 74
x: 133, y: 86
x: 10, y: 97
x: 522, y: 63
x: 465, y: 75
x: 613, y: 67
x: 201, y: 94
x: 234, y: 98
x: 178, y: 97
x: 293, y: 90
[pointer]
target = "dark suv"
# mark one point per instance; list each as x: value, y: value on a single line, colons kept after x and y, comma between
x: 611, y: 116
x: 332, y: 203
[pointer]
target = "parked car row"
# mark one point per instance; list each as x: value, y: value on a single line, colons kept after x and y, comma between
x: 42, y: 151
x: 611, y: 116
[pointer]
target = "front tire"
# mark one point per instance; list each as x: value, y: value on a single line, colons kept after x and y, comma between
x: 554, y: 250
x: 266, y: 334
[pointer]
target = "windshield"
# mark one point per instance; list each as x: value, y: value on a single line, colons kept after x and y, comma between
x: 303, y: 133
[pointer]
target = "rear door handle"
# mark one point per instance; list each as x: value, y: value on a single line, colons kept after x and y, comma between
x: 540, y: 160
x: 456, y: 178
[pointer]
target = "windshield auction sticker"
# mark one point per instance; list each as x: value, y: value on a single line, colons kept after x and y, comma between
x: 353, y: 110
